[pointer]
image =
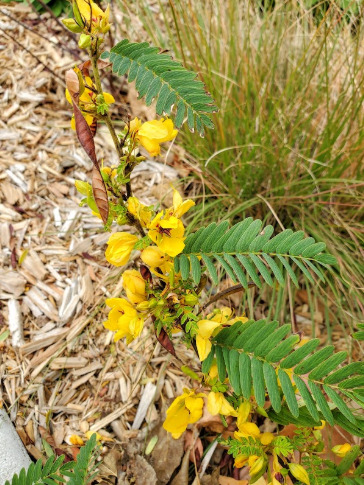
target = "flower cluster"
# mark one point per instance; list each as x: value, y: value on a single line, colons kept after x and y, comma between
x: 88, y: 100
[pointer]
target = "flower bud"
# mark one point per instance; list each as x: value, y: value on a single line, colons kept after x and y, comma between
x: 256, y: 464
x: 77, y: 14
x: 153, y: 256
x: 299, y: 472
x: 143, y: 306
x: 191, y: 300
x: 85, y: 41
x: 341, y: 450
x: 134, y: 285
x: 83, y: 188
x: 153, y: 303
x: 72, y: 25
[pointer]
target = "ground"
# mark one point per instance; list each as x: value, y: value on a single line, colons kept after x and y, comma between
x: 61, y: 373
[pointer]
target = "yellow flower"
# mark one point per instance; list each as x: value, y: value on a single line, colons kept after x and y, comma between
x: 341, y: 450
x: 120, y: 246
x: 76, y: 440
x: 93, y: 18
x: 180, y: 206
x: 87, y: 102
x: 134, y: 285
x: 152, y: 133
x: 240, y: 461
x: 299, y: 472
x: 140, y: 211
x: 247, y: 429
x: 208, y: 326
x: 256, y: 463
x: 243, y: 413
x: 213, y: 372
x: 134, y: 125
x: 204, y: 332
x: 184, y: 410
x: 123, y: 319
x: 155, y: 258
x: 323, y: 424
x: 167, y: 233
x: 266, y: 438
x: 218, y: 404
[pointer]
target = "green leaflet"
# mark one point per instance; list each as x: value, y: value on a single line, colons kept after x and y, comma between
x: 245, y: 251
x: 158, y: 76
x: 288, y: 392
x: 255, y: 355
x: 270, y: 378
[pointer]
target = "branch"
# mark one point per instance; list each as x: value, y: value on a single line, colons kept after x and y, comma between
x: 227, y: 292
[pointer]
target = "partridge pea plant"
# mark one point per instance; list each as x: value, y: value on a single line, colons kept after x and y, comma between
x: 250, y: 370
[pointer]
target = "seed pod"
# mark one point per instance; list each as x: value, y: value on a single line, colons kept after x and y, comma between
x: 85, y: 41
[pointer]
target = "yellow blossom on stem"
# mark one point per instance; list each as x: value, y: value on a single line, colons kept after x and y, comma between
x: 140, y: 211
x: 246, y: 430
x: 205, y: 329
x: 266, y: 438
x: 93, y: 18
x: 218, y: 404
x: 240, y: 461
x: 184, y: 410
x: 76, y: 440
x: 152, y: 133
x: 341, y: 450
x: 87, y: 102
x: 323, y: 424
x: 134, y: 285
x: 167, y: 233
x: 243, y: 413
x: 120, y: 246
x: 123, y: 319
x: 155, y: 258
x: 180, y: 206
x: 256, y: 463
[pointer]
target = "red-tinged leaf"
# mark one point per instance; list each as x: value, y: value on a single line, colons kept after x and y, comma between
x: 165, y: 341
x: 85, y: 137
x: 93, y: 127
x: 146, y: 274
x: 100, y: 194
x: 85, y: 68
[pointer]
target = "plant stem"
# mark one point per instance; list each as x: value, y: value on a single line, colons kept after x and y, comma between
x: 227, y: 292
x: 105, y: 117
x: 94, y: 57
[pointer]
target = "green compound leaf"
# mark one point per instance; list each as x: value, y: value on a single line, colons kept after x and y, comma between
x: 158, y: 77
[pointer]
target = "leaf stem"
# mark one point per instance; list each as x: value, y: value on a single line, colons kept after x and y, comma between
x: 226, y: 292
x: 94, y: 57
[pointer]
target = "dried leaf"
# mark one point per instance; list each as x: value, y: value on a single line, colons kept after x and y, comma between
x: 146, y: 274
x: 73, y: 84
x: 165, y: 341
x: 100, y: 194
x: 85, y: 137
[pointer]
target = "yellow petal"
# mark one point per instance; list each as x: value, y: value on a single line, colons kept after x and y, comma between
x: 243, y: 413
x: 109, y: 98
x: 171, y: 246
x: 249, y: 429
x: 203, y: 347
x: 206, y: 328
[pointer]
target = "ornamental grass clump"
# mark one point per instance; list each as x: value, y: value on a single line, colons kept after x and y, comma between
x: 249, y: 370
